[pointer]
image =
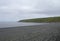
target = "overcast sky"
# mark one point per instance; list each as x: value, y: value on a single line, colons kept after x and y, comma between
x: 14, y: 10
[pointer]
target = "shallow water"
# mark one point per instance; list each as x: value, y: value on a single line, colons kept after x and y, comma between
x: 14, y: 24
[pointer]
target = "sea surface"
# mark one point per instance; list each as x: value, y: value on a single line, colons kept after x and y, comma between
x: 14, y: 24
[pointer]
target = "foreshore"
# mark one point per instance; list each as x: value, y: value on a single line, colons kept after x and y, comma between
x: 47, y: 32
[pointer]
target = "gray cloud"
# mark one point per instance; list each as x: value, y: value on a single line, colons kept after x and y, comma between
x: 13, y: 10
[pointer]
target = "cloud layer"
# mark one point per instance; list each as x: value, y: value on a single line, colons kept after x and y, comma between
x: 13, y: 10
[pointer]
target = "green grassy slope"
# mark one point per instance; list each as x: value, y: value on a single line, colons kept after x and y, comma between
x: 49, y: 19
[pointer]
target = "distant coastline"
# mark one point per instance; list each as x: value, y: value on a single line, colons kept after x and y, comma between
x: 39, y: 20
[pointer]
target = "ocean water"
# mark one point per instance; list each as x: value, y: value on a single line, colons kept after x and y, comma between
x: 14, y: 24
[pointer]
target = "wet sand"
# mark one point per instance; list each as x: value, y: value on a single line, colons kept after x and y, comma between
x: 47, y: 32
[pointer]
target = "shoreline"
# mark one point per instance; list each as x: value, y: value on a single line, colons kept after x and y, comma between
x: 47, y: 32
